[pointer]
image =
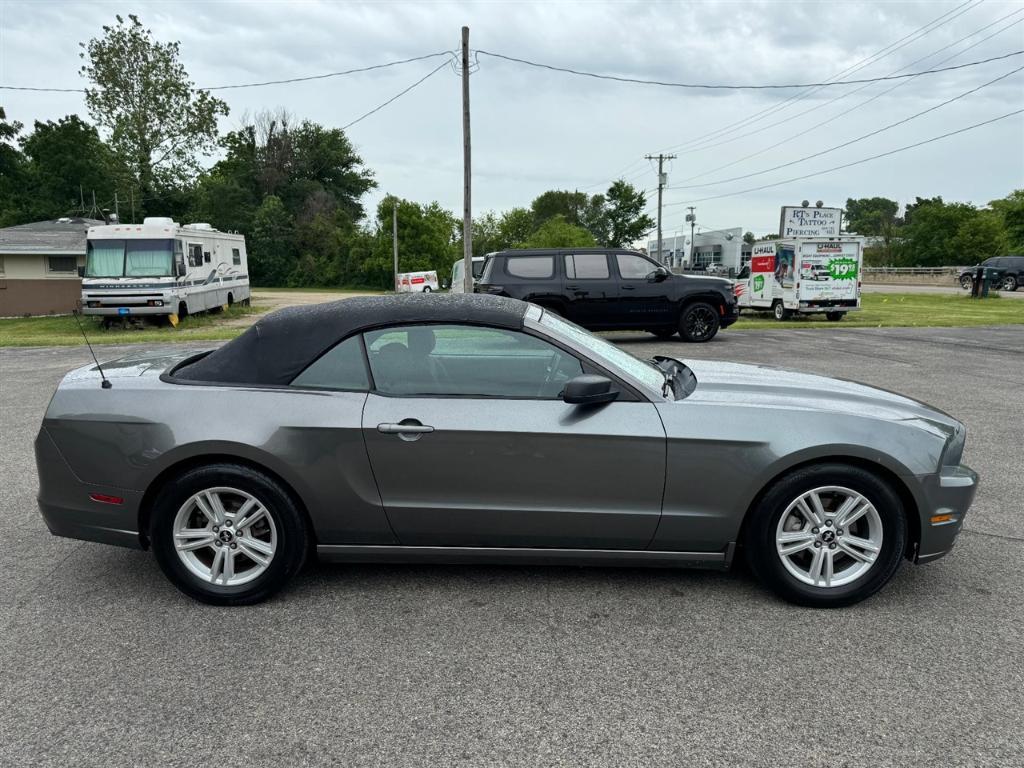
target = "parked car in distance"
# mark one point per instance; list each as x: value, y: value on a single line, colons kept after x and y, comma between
x: 463, y: 428
x: 613, y: 289
x: 1009, y: 269
x: 716, y: 269
x: 456, y: 283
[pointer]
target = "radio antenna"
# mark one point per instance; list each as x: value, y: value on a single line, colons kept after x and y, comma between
x: 105, y: 383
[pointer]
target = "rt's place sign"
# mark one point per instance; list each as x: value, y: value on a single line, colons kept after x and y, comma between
x: 810, y: 222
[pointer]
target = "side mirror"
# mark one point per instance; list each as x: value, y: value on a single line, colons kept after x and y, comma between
x: 81, y: 271
x: 658, y: 276
x: 180, y: 269
x: 589, y: 389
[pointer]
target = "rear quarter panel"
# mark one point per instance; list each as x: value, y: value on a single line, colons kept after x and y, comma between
x: 125, y: 437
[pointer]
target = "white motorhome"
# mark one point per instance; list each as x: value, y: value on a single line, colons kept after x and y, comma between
x: 160, y: 267
x: 803, y: 275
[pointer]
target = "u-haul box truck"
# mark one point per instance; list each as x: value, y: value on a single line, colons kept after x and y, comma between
x: 803, y: 275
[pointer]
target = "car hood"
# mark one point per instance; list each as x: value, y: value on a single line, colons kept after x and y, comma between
x: 759, y: 386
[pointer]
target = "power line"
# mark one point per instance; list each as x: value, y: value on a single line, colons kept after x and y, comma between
x: 851, y: 141
x: 763, y: 128
x: 397, y: 96
x: 732, y: 87
x: 874, y: 58
x: 855, y: 162
x: 255, y: 85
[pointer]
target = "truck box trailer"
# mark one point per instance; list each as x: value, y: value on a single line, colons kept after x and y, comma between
x: 803, y: 276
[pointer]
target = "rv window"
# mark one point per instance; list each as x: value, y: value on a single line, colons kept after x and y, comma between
x: 236, y: 256
x: 195, y: 255
x: 206, y: 257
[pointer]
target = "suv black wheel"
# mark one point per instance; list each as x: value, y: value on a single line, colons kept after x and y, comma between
x: 227, y: 534
x: 966, y: 282
x: 826, y: 536
x: 1009, y: 283
x: 699, y: 322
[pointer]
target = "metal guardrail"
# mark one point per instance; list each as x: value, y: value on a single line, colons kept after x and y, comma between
x: 913, y: 270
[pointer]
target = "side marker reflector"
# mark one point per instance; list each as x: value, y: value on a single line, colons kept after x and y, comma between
x: 103, y: 498
x: 939, y: 519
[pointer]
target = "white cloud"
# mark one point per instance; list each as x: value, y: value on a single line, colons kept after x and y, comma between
x: 534, y: 129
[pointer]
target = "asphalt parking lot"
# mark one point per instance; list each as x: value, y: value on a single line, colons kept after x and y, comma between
x: 102, y: 662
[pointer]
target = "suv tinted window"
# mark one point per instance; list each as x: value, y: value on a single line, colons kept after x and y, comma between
x: 633, y: 267
x: 530, y: 266
x: 343, y: 368
x: 467, y: 360
x: 586, y: 266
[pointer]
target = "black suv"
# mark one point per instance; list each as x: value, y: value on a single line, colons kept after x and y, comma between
x: 612, y: 289
x: 1009, y: 269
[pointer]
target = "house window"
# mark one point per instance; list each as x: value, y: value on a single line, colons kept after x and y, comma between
x: 62, y: 264
x: 236, y: 256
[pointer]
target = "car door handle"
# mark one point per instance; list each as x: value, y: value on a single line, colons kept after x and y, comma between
x: 629, y: 287
x: 404, y: 429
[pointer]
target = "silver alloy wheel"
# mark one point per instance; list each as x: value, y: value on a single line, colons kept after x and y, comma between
x: 829, y: 536
x: 225, y: 536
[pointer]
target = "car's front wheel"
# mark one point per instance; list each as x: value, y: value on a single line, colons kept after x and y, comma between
x: 698, y: 322
x: 966, y: 282
x: 780, y: 311
x: 1009, y: 283
x: 827, y: 535
x: 227, y: 534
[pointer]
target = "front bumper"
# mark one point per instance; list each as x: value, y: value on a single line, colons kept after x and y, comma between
x: 127, y: 311
x: 946, y: 497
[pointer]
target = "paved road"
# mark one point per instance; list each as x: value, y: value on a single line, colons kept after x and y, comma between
x: 948, y: 290
x: 102, y: 663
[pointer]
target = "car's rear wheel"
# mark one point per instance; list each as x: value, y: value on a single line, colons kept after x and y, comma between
x: 966, y: 282
x: 663, y: 333
x: 698, y: 323
x: 1009, y: 283
x: 227, y: 534
x: 826, y: 536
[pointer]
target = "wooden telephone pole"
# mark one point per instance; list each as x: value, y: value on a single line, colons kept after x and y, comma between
x: 661, y: 185
x: 467, y: 207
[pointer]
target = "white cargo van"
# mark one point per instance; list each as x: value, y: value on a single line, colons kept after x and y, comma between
x: 803, y: 275
x: 458, y: 283
x: 416, y: 282
x: 159, y: 267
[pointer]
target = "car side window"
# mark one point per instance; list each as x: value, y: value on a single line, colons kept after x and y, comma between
x: 467, y: 361
x: 633, y: 267
x: 586, y: 266
x: 535, y: 267
x: 341, y: 368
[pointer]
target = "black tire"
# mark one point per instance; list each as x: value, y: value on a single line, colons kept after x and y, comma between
x: 966, y: 282
x: 1009, y: 283
x: 231, y: 300
x: 759, y: 538
x: 698, y: 322
x: 780, y: 311
x: 835, y: 317
x: 182, y: 310
x: 663, y: 333
x: 426, y: 289
x: 292, y: 533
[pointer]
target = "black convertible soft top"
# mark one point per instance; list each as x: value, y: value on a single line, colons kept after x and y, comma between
x: 280, y: 346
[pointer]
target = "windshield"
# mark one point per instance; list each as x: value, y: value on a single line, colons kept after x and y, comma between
x: 129, y: 258
x: 605, y: 351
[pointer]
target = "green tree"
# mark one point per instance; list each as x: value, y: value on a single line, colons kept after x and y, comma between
x: 979, y: 238
x: 515, y: 227
x: 748, y: 238
x: 12, y: 172
x: 1010, y: 210
x: 67, y: 161
x: 622, y: 218
x: 158, y: 123
x: 271, y: 246
x: 428, y: 237
x: 927, y: 240
x: 875, y: 216
x: 556, y: 232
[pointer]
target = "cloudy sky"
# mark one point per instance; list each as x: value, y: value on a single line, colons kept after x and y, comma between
x: 535, y: 129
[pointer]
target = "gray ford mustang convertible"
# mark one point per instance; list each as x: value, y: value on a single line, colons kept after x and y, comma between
x: 471, y: 428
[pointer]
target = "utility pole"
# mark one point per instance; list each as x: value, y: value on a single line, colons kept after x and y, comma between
x: 661, y: 185
x: 692, y: 218
x: 467, y: 207
x: 117, y: 210
x: 132, y: 193
x: 394, y: 239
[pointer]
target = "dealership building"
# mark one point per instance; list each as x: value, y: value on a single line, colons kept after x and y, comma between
x: 39, y: 266
x: 720, y: 246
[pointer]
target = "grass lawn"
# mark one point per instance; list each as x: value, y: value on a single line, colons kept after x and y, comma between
x: 879, y: 310
x: 902, y: 310
x: 63, y: 331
